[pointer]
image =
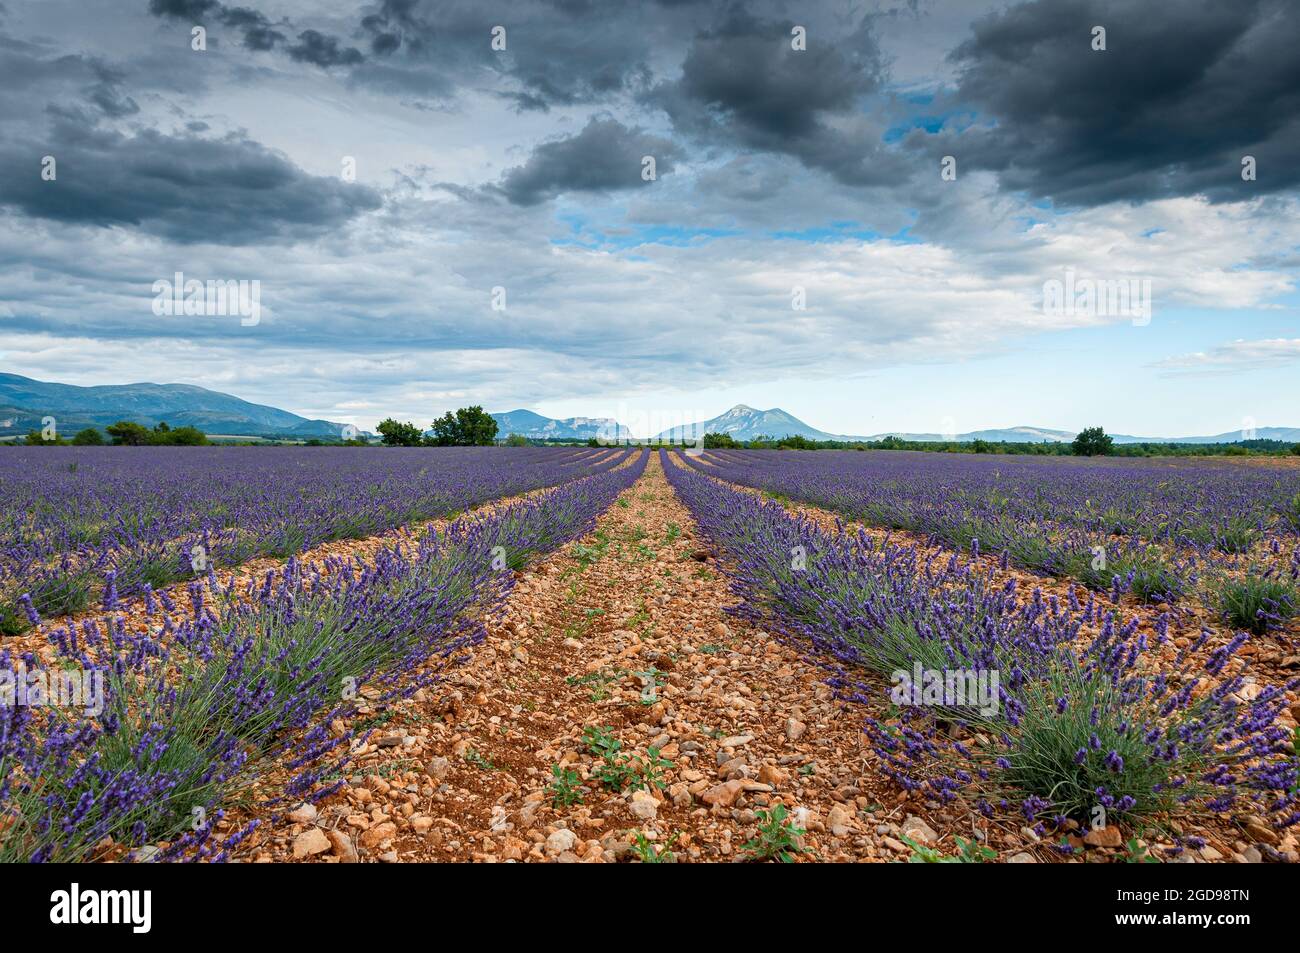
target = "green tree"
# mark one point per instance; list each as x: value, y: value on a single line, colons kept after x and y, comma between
x: 516, y: 440
x: 126, y: 433
x: 719, y: 441
x: 182, y: 437
x: 398, y: 434
x: 796, y: 441
x: 90, y: 437
x: 477, y: 428
x: 1092, y: 442
x: 445, y: 431
x: 35, y: 438
x: 468, y: 427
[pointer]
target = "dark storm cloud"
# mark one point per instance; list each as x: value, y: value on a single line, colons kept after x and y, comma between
x: 743, y: 85
x: 183, y: 9
x: 67, y: 84
x: 1181, y: 93
x: 184, y: 188
x: 559, y: 54
x: 748, y: 73
x: 605, y: 157
x: 262, y: 34
x: 322, y: 50
x: 259, y: 32
x: 107, y: 93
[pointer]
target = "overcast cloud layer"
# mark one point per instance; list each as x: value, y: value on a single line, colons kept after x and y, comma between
x: 649, y: 185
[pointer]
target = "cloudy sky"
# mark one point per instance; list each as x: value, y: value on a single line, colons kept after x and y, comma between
x: 854, y: 211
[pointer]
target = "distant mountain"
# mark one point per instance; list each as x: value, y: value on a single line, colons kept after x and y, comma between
x: 536, y: 427
x: 1039, y: 434
x: 1286, y: 434
x: 743, y: 422
x: 23, y: 402
x: 1007, y: 434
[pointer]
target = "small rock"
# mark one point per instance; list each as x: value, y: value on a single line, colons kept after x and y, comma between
x: 560, y: 841
x: 794, y: 729
x: 309, y: 843
x: 1021, y: 858
x: 438, y: 768
x: 838, y: 820
x: 723, y: 795
x: 1261, y: 833
x: 341, y: 847
x: 919, y: 831
x: 735, y: 768
x: 1108, y: 836
x: 377, y: 835
x: 303, y: 814
x: 643, y: 805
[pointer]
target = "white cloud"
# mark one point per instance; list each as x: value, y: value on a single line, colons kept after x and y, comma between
x: 1236, y: 356
x: 394, y: 313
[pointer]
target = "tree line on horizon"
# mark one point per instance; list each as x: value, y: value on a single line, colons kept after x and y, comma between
x: 467, y: 427
x: 473, y: 427
x: 124, y: 433
x: 1090, y: 442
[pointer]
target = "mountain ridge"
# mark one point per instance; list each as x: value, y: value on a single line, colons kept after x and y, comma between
x: 24, y: 402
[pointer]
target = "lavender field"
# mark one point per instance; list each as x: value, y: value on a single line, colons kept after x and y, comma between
x: 77, y: 522
x: 949, y: 618
x: 1159, y: 529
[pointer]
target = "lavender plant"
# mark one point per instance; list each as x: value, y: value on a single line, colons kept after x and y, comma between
x: 155, y: 516
x: 1047, y: 514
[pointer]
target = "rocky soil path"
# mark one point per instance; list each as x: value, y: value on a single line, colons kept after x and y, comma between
x: 616, y: 711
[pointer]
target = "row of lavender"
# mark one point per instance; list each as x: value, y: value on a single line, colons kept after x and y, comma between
x: 181, y: 718
x: 1068, y: 709
x: 153, y: 516
x: 1151, y: 525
